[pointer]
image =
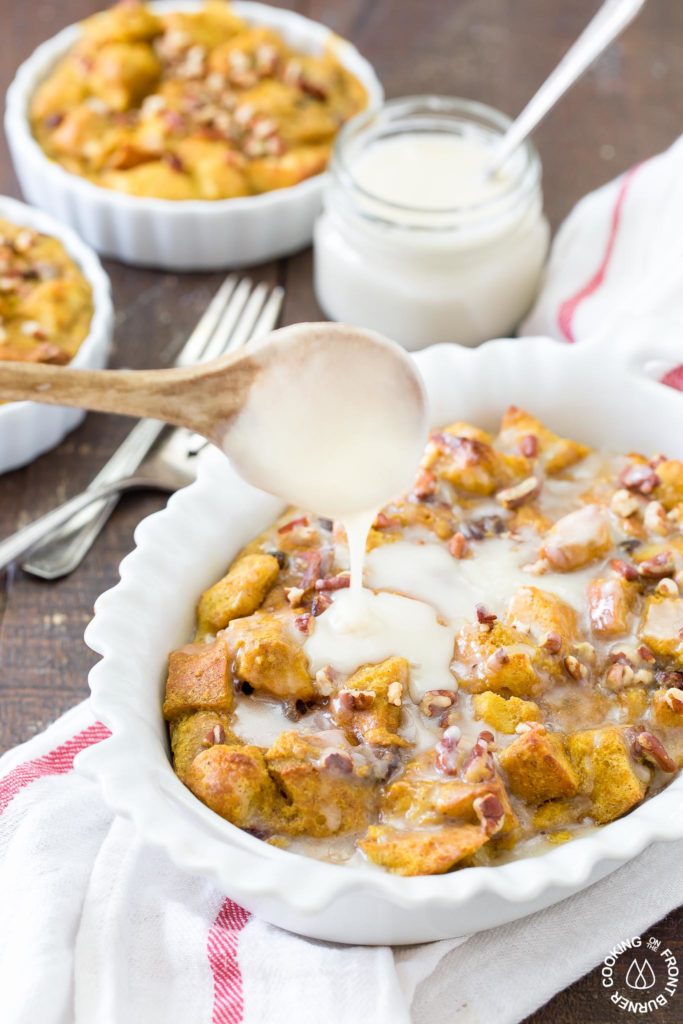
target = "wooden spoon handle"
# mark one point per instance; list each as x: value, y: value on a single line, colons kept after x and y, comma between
x: 203, y: 398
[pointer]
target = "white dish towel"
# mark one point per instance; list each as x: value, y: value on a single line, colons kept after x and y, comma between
x: 95, y: 928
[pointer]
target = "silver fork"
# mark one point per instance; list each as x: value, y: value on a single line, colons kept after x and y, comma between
x: 238, y: 313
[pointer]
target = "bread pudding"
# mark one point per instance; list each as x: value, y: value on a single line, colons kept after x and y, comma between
x: 191, y: 105
x: 46, y: 304
x: 531, y: 690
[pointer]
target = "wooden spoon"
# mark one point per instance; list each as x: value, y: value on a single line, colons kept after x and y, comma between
x: 311, y: 377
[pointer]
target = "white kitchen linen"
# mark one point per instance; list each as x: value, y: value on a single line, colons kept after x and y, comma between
x: 618, y: 256
x: 96, y: 928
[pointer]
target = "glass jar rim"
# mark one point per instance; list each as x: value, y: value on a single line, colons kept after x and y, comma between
x: 401, y: 116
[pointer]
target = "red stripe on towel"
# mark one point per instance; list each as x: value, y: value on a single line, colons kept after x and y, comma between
x: 674, y: 378
x: 567, y: 309
x: 57, y: 762
x: 221, y: 949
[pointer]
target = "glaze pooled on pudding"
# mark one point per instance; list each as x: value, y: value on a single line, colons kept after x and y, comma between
x: 526, y: 683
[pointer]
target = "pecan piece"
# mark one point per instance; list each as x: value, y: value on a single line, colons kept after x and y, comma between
x: 528, y: 446
x: 661, y: 564
x: 490, y: 812
x: 435, y: 702
x: 641, y: 479
x: 355, y: 700
x: 674, y: 698
x: 425, y: 484
x: 338, y: 582
x: 457, y: 545
x: 515, y: 497
x: 484, y: 617
x: 650, y: 749
x: 337, y: 761
x: 446, y: 751
x: 625, y: 569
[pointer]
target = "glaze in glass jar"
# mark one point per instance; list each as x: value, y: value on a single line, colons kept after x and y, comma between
x: 423, y: 273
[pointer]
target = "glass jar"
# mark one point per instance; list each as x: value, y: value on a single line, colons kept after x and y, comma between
x: 422, y: 275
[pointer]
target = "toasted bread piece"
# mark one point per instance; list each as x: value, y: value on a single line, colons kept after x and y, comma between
x: 537, y: 767
x: 423, y: 852
x: 606, y: 772
x: 268, y: 658
x: 198, y: 680
x: 238, y: 594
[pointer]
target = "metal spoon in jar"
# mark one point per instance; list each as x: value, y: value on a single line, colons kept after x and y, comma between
x: 610, y: 20
x: 329, y: 417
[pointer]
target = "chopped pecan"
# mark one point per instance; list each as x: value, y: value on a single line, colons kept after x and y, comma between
x: 294, y: 595
x: 574, y: 667
x: 652, y: 750
x: 661, y: 564
x: 624, y: 503
x: 551, y: 642
x: 321, y: 602
x: 293, y: 523
x: 674, y: 698
x: 655, y: 519
x: 338, y: 582
x: 625, y: 569
x: 528, y: 446
x: 425, y: 484
x: 446, y: 751
x: 304, y: 623
x: 395, y: 694
x: 639, y: 478
x: 435, y: 702
x: 667, y: 587
x: 490, y: 812
x: 338, y: 761
x: 619, y: 676
x: 325, y: 680
x: 484, y: 617
x: 515, y: 497
x: 355, y: 700
x: 669, y: 679
x: 457, y: 545
x: 214, y: 736
x: 478, y: 765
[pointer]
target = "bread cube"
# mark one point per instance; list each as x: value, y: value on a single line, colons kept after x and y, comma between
x: 606, y: 772
x: 577, y: 539
x: 667, y: 708
x: 368, y: 706
x: 537, y: 767
x: 504, y: 714
x: 196, y: 732
x: 670, y: 488
x: 610, y: 602
x: 267, y: 657
x: 543, y: 614
x: 198, y: 680
x: 555, y: 453
x: 123, y: 74
x: 154, y: 179
x: 238, y: 594
x: 471, y: 465
x: 235, y: 783
x: 421, y: 853
x: 499, y: 659
x: 323, y: 791
x: 661, y: 627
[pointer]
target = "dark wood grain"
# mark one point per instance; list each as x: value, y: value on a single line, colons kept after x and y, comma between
x: 627, y: 107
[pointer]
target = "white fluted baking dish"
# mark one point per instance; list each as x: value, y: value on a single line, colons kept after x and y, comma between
x: 184, y: 234
x: 27, y: 429
x: 580, y: 391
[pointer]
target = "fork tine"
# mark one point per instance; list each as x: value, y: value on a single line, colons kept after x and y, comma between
x: 269, y: 316
x: 195, y: 346
x: 226, y: 324
x: 250, y: 314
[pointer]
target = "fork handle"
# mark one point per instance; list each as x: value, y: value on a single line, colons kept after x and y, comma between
x: 24, y: 539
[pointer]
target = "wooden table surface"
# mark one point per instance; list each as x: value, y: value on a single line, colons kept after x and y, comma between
x: 629, y: 106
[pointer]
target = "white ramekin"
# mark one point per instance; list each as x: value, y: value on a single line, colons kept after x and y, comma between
x: 187, y: 234
x: 26, y: 428
x: 583, y: 391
